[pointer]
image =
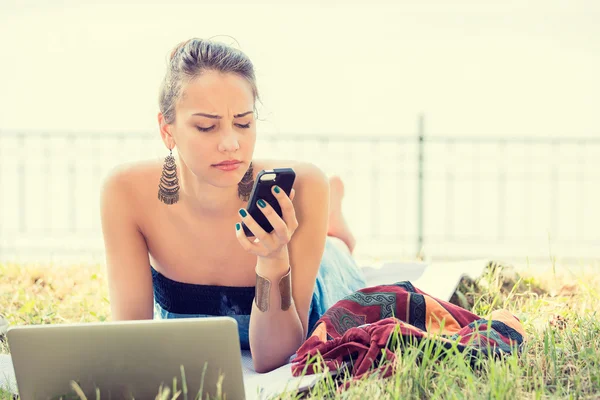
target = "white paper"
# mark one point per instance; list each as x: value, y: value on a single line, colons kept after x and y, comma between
x: 392, y: 272
x: 440, y: 280
x: 7, y: 374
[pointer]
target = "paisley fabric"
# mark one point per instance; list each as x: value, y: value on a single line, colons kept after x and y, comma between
x: 363, y: 328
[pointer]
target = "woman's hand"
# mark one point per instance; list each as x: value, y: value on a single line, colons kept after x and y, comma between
x: 270, y: 245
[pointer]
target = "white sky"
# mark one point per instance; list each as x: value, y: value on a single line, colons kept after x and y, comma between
x: 473, y: 67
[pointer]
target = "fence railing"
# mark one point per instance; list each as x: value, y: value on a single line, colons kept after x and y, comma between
x: 447, y: 196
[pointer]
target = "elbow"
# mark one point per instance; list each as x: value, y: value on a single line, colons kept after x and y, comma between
x: 261, y: 369
x: 266, y: 364
x: 266, y: 360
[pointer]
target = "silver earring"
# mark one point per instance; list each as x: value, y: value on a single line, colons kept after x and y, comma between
x: 168, y: 188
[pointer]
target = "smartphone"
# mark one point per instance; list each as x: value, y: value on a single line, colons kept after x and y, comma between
x: 265, y: 180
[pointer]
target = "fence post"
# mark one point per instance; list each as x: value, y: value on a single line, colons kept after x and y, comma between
x: 450, y: 188
x: 21, y: 182
x: 47, y: 165
x: 375, y: 214
x: 580, y: 222
x: 420, y: 160
x: 72, y: 182
x: 554, y: 190
x: 502, y: 190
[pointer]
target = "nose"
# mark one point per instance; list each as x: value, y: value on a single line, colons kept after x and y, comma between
x: 229, y: 141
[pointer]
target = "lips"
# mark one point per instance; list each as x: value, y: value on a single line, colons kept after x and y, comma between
x: 228, y: 162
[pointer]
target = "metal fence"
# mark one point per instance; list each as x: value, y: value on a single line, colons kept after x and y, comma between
x: 449, y: 197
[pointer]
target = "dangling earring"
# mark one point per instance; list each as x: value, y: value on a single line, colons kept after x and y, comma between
x: 245, y: 185
x: 168, y: 188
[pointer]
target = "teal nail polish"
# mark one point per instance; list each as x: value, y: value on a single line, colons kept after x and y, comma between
x: 276, y: 189
x: 261, y: 203
x: 243, y: 213
x: 238, y: 227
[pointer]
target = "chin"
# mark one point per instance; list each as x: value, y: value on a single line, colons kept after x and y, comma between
x: 226, y: 179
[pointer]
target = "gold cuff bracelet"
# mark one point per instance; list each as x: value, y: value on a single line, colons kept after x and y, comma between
x: 263, y: 289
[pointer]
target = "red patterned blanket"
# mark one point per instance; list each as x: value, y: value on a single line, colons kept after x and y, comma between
x: 357, y: 330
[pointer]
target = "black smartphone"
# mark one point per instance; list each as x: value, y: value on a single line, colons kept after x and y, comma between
x: 265, y: 180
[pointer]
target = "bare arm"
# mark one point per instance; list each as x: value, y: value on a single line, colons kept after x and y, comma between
x: 276, y: 334
x: 127, y: 262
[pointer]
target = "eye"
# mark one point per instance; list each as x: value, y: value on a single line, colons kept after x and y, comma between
x: 245, y: 126
x: 201, y: 129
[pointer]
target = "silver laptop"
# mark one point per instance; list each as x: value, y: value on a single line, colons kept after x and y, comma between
x: 128, y: 359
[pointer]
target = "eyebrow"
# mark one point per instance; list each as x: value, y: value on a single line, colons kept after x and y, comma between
x: 219, y: 117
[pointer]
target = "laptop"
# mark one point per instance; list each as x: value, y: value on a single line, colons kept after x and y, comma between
x: 128, y: 359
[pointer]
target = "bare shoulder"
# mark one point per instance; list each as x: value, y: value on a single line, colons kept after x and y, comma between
x: 131, y: 183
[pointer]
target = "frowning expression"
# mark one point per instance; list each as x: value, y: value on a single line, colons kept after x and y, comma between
x: 215, y: 127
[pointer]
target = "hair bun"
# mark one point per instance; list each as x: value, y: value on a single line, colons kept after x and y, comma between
x: 177, y: 48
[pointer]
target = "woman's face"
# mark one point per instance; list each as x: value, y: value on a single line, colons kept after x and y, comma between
x: 215, y: 127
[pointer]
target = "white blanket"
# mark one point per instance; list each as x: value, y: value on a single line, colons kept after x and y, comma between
x: 7, y: 375
x: 436, y: 279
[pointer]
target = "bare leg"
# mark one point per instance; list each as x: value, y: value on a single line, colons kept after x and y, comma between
x: 337, y: 226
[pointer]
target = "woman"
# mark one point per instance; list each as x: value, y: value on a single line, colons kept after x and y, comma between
x: 181, y: 253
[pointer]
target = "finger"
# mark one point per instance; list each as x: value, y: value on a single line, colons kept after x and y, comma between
x: 245, y: 241
x: 254, y: 246
x: 280, y: 228
x: 259, y: 233
x: 288, y: 212
x: 292, y: 195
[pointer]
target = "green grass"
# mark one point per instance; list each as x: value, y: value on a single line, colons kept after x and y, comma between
x: 559, y: 310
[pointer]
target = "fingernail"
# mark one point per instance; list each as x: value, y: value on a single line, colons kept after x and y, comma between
x: 261, y: 203
x: 276, y: 189
x: 243, y: 213
x: 238, y: 227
